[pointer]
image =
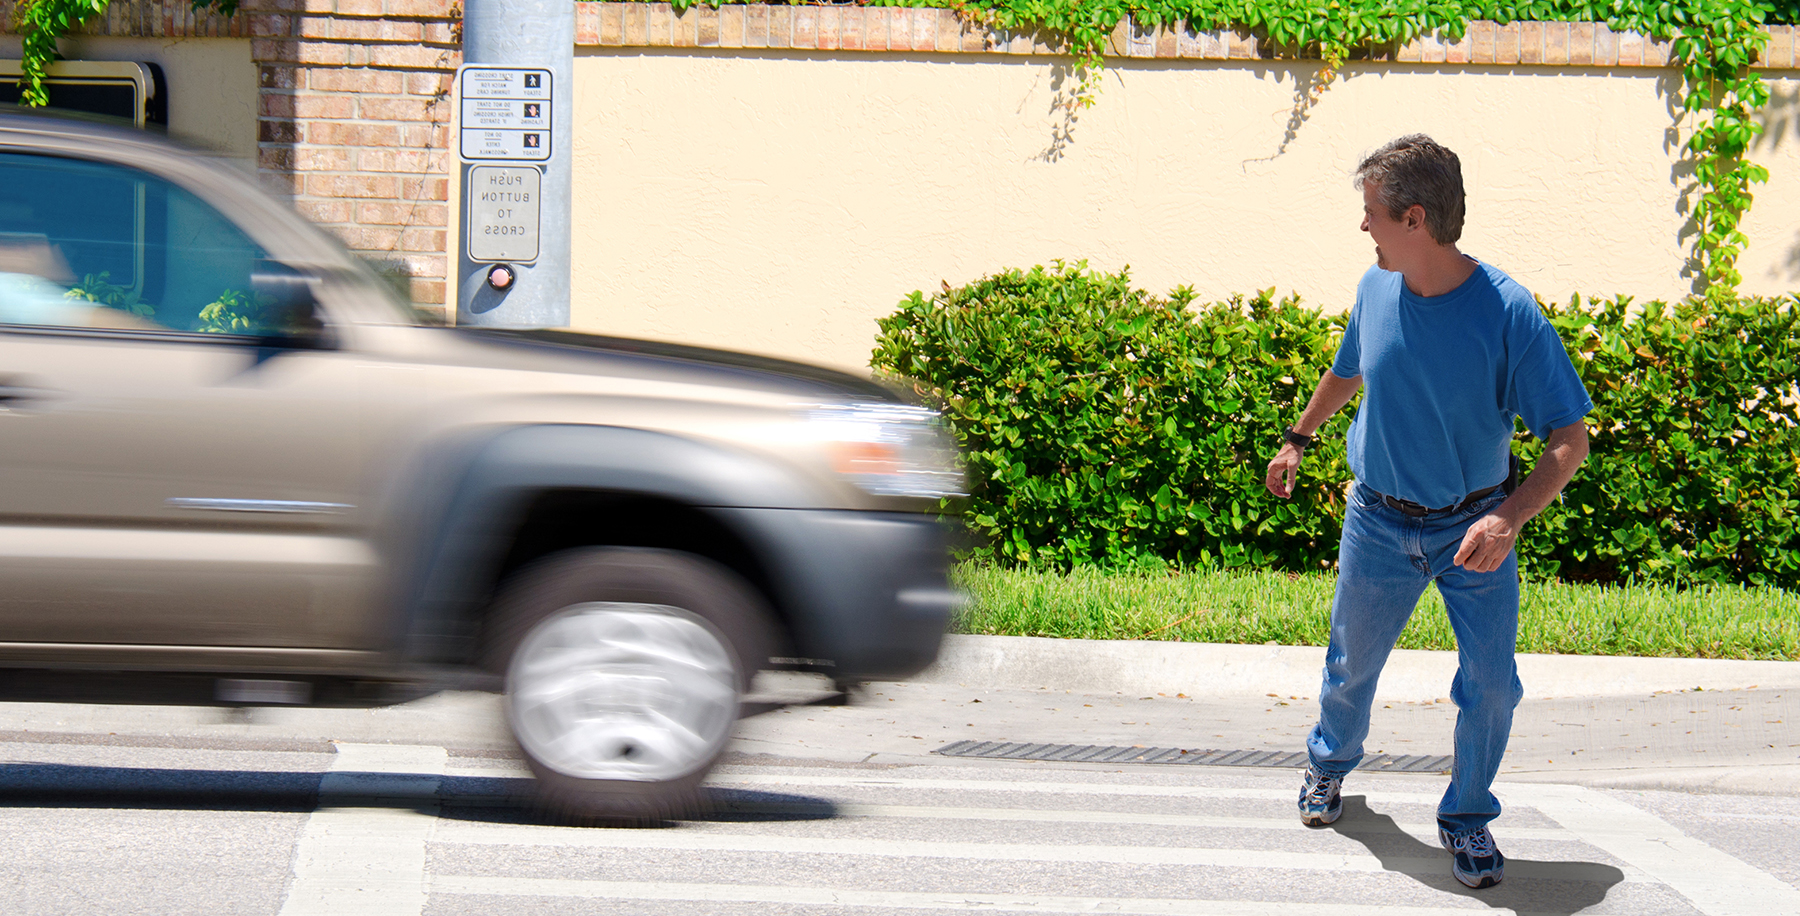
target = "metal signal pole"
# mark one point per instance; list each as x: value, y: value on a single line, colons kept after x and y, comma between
x: 515, y: 95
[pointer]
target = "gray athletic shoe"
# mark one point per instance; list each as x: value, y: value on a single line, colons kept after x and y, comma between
x: 1474, y: 859
x: 1320, y: 803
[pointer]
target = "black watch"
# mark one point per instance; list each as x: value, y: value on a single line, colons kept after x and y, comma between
x: 1295, y: 439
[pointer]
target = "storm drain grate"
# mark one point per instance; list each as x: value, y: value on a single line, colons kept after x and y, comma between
x: 1112, y: 753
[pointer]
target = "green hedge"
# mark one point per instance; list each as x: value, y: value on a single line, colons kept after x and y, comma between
x: 1102, y: 425
x: 1693, y: 474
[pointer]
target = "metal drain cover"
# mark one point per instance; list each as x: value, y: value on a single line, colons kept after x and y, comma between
x: 1112, y: 753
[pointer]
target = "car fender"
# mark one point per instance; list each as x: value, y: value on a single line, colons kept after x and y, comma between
x: 465, y: 507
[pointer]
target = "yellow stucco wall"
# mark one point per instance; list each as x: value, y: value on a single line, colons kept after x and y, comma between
x: 783, y: 201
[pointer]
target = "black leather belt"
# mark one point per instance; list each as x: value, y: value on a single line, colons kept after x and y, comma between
x: 1408, y: 507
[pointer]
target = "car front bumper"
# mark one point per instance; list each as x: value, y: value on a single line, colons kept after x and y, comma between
x: 865, y: 595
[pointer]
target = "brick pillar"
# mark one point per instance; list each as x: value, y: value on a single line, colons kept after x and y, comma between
x: 354, y: 125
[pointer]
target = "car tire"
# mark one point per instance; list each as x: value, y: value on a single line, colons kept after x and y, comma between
x: 624, y: 671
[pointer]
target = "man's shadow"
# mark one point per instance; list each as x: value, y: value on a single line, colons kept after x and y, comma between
x: 1530, y: 886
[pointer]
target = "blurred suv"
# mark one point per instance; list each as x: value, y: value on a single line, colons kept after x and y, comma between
x: 235, y: 469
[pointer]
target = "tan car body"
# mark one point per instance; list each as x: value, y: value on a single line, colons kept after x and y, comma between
x: 170, y: 502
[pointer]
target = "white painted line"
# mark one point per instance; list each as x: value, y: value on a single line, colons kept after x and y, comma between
x: 1716, y: 884
x: 480, y: 834
x: 1421, y: 831
x: 1056, y: 788
x: 518, y: 772
x: 945, y: 900
x: 368, y: 861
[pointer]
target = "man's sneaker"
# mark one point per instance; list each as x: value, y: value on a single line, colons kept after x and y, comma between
x: 1474, y: 859
x: 1320, y: 803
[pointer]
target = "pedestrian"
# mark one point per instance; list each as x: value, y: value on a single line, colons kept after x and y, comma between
x: 1447, y: 351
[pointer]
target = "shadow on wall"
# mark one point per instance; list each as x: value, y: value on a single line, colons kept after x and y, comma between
x: 1789, y: 269
x: 1310, y: 79
x: 1681, y: 175
x: 1066, y: 80
x: 1780, y: 121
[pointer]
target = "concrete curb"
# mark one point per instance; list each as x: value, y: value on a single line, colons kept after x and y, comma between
x: 1223, y: 670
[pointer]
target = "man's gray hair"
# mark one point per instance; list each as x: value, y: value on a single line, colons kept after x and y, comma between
x: 1416, y: 170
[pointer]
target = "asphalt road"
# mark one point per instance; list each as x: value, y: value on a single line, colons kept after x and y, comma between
x: 844, y: 810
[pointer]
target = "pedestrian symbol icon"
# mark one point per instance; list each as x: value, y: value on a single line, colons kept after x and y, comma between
x: 531, y: 141
x: 532, y: 109
x: 534, y: 80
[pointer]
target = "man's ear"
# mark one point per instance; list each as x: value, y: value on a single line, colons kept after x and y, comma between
x: 1415, y: 217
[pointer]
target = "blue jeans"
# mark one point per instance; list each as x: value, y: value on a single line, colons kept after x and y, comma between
x: 1384, y: 563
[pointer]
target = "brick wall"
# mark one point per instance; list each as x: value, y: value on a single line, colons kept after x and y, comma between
x: 354, y: 124
x: 151, y: 19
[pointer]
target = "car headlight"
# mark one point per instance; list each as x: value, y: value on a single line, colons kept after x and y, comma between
x: 889, y: 449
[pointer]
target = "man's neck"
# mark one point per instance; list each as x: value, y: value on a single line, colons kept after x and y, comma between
x: 1441, y: 269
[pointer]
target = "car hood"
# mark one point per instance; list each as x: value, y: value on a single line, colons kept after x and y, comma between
x: 573, y: 351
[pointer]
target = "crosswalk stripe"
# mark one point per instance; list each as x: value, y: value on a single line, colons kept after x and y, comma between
x: 1048, y: 788
x: 479, y: 834
x: 1427, y: 832
x: 359, y: 855
x: 940, y: 900
x: 1717, y: 883
x: 1421, y: 831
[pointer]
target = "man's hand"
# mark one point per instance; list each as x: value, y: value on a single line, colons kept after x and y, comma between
x: 1283, y: 469
x: 1486, y: 543
x: 1329, y: 398
x: 1491, y: 538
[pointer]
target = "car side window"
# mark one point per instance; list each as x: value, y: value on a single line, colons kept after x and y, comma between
x: 95, y: 245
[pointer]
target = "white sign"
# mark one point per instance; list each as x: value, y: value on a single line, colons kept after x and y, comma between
x: 505, y: 113
x: 503, y: 212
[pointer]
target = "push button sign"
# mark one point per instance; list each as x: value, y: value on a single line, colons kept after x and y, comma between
x: 503, y: 213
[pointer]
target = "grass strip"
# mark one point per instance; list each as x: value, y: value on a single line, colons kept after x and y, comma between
x: 1260, y: 606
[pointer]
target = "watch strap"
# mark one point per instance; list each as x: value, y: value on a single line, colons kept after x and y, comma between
x: 1295, y: 439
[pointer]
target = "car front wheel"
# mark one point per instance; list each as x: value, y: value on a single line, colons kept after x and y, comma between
x: 624, y: 670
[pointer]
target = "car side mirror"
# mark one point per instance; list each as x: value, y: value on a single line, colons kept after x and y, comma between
x: 289, y: 306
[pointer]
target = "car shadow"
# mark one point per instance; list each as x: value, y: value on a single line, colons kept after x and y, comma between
x: 475, y: 798
x: 1560, y: 888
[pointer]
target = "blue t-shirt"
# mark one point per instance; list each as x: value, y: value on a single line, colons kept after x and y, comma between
x: 1443, y: 378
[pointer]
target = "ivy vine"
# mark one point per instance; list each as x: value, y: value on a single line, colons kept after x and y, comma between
x: 40, y: 24
x: 1714, y: 49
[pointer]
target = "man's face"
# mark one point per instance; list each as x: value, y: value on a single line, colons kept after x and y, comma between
x: 1384, y: 229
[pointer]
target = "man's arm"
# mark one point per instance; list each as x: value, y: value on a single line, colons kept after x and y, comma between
x: 1329, y: 398
x: 1491, y: 538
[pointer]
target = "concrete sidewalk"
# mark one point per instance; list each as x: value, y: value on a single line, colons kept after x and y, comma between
x: 1225, y: 670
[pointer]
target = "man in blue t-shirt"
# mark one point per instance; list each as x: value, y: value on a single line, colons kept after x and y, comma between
x: 1447, y: 351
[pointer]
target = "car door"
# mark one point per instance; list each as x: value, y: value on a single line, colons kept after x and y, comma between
x: 180, y: 451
